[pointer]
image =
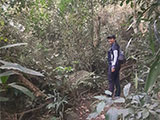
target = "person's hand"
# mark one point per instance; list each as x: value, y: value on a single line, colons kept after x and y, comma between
x: 113, y: 69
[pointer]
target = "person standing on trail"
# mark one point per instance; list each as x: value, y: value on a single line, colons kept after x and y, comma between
x: 113, y: 66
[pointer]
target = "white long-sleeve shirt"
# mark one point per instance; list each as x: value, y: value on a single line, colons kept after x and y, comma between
x: 115, y: 58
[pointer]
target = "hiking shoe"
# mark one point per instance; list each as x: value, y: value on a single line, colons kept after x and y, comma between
x: 117, y: 97
x: 109, y: 96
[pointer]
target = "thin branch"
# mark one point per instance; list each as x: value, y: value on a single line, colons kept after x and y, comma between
x: 34, y: 109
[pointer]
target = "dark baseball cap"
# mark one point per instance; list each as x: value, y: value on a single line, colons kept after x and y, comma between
x: 111, y: 36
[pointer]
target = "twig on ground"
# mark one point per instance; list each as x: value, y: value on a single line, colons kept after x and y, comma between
x: 34, y: 109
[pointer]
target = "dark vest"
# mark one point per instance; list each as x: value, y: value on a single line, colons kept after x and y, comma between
x: 113, y: 47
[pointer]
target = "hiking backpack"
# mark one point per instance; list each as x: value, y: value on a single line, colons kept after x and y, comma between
x: 121, y: 57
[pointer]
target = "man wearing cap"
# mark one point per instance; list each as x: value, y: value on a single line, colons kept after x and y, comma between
x: 113, y: 66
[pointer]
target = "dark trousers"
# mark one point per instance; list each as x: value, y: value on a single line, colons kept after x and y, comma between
x: 113, y: 78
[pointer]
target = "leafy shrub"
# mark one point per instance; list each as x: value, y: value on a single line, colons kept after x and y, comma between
x: 139, y: 106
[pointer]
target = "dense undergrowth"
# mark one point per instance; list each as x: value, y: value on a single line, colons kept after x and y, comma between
x: 54, y: 52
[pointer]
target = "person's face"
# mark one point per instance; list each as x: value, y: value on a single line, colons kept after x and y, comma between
x: 111, y: 41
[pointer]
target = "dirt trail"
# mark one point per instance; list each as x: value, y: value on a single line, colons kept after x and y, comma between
x: 87, y: 106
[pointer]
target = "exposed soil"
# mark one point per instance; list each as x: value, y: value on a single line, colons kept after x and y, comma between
x: 86, y: 106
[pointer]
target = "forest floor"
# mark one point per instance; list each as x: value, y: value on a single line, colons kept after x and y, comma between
x: 85, y: 108
x: 87, y: 103
x: 81, y: 104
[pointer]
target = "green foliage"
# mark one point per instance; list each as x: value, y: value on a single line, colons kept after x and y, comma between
x: 92, y: 115
x: 22, y: 89
x: 126, y: 89
x: 13, y: 45
x: 151, y: 40
x: 145, y: 107
x: 4, y: 76
x: 63, y: 70
x: 35, y: 14
x: 3, y: 99
x: 53, y: 118
x: 38, y: 17
x: 112, y: 113
x: 74, y: 26
x: 153, y: 73
x: 148, y: 12
x: 137, y: 106
x: 64, y: 4
x: 20, y: 4
x: 62, y: 75
x: 100, y: 107
x: 2, y: 25
x: 75, y: 62
x: 15, y: 66
x: 58, y: 103
x: 3, y: 81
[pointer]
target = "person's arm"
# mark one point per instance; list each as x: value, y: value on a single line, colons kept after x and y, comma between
x: 115, y: 54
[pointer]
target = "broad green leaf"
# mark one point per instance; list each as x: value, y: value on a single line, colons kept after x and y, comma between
x: 2, y: 23
x: 100, y: 107
x: 125, y: 112
x: 119, y: 100
x: 51, y: 105
x: 107, y: 92
x: 112, y: 114
x: 92, y: 115
x: 151, y: 40
x: 101, y: 97
x: 8, y: 73
x: 139, y: 115
x: 135, y: 99
x: 158, y: 110
x: 13, y: 45
x: 1, y: 38
x: 128, y: 44
x: 153, y: 73
x: 22, y: 89
x: 131, y: 4
x: 3, y: 99
x: 126, y: 89
x: 157, y: 29
x: 153, y: 112
x: 5, y: 40
x: 153, y: 106
x: 4, y: 76
x: 63, y: 5
x: 104, y: 98
x: 42, y: 2
x: 147, y: 99
x: 4, y: 79
x: 121, y: 4
x: 53, y: 118
x: 127, y: 1
x: 15, y: 66
x: 145, y: 114
x: 107, y: 117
